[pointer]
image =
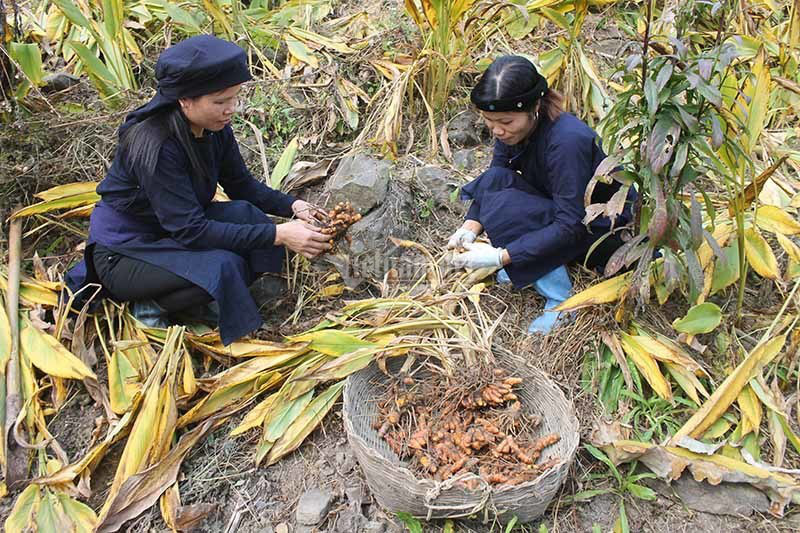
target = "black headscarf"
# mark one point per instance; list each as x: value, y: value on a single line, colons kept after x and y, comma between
x: 511, y: 83
x: 199, y: 65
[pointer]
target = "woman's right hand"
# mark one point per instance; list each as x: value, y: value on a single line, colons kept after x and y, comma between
x: 301, y: 237
x: 467, y: 233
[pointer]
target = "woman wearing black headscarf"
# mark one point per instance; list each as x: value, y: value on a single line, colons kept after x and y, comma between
x: 530, y: 201
x: 156, y: 238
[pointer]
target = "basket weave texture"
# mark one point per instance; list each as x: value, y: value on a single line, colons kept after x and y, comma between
x: 395, y: 486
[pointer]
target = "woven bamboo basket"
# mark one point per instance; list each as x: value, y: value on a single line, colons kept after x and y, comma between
x: 395, y: 486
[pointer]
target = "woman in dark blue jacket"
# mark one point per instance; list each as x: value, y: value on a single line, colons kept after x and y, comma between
x: 530, y: 201
x: 156, y: 238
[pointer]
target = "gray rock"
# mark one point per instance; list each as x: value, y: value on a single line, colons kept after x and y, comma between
x: 59, y: 81
x: 464, y: 159
x: 437, y: 183
x: 355, y: 494
x: 735, y: 499
x: 362, y: 180
x: 350, y: 521
x: 313, y: 506
x: 465, y: 129
x: 371, y: 253
x: 375, y: 526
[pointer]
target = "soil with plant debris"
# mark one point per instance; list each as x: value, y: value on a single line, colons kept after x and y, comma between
x: 70, y: 137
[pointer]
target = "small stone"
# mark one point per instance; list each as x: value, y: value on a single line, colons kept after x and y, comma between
x: 283, y: 527
x: 313, y: 506
x: 464, y: 159
x: 735, y: 499
x: 465, y: 129
x: 59, y: 81
x: 350, y: 521
x: 375, y: 526
x: 437, y: 182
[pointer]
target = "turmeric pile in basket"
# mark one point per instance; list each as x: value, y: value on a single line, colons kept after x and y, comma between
x: 443, y: 430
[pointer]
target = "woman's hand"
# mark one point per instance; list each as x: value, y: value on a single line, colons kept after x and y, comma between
x: 301, y: 237
x: 467, y: 233
x: 308, y: 212
x: 479, y: 255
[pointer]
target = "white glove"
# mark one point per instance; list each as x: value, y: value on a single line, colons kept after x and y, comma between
x: 460, y: 238
x: 480, y: 255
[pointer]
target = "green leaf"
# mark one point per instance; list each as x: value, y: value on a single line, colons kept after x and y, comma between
x: 412, y: 524
x: 511, y: 525
x: 449, y: 526
x: 600, y: 456
x: 726, y: 272
x: 621, y: 525
x: 333, y: 342
x: 180, y: 16
x: 284, y: 164
x: 19, y: 519
x: 641, y: 492
x: 702, y: 318
x: 586, y: 495
x: 29, y: 58
x: 651, y: 94
x: 73, y: 13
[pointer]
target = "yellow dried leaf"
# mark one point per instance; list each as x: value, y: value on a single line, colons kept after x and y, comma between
x: 255, y: 417
x: 791, y: 249
x: 687, y: 381
x: 751, y: 410
x: 647, y: 366
x: 304, y: 424
x: 729, y: 390
x: 670, y: 353
x: 5, y: 339
x: 606, y: 291
x: 760, y: 255
x: 776, y: 220
x: 20, y: 519
x: 49, y: 355
x: 331, y: 290
x: 69, y: 189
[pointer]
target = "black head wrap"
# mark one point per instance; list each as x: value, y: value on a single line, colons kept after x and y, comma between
x: 494, y: 91
x: 199, y: 65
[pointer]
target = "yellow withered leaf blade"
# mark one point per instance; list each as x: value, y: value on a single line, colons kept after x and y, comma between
x: 253, y: 348
x: 332, y: 341
x: 663, y: 352
x: 21, y: 516
x: 751, y: 410
x: 255, y: 417
x: 647, y: 366
x: 729, y: 390
x: 604, y: 292
x: 65, y: 202
x: 760, y: 255
x: 69, y: 189
x: 50, y: 356
x: 5, y: 339
x: 304, y: 424
x: 776, y: 220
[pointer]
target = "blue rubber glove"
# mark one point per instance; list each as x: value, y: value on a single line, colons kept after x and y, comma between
x: 556, y: 287
x: 478, y: 255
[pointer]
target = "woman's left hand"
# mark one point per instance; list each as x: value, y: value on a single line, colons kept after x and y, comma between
x: 308, y: 212
x: 479, y: 255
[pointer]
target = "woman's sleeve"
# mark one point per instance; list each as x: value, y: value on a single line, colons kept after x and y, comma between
x: 239, y: 183
x: 569, y: 168
x: 171, y: 194
x: 500, y: 158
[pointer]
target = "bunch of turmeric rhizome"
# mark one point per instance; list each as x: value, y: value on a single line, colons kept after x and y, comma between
x: 443, y: 428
